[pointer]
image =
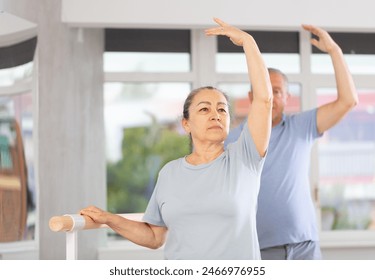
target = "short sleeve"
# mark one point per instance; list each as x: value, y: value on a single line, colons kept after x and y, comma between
x: 244, y: 149
x: 152, y: 214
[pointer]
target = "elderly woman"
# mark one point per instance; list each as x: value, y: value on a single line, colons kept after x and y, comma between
x: 204, y: 204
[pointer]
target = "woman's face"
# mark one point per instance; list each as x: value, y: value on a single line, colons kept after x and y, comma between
x: 208, y: 117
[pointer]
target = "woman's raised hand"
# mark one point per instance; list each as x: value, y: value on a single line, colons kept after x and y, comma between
x: 237, y: 36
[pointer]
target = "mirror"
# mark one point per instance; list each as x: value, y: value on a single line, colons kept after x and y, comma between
x: 18, y: 39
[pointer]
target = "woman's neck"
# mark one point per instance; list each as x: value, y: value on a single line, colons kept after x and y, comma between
x: 205, y: 154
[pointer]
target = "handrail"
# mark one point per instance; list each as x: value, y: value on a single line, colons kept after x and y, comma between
x: 71, y: 224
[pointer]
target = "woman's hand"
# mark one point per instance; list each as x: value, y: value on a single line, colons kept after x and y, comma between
x: 236, y: 35
x: 96, y: 214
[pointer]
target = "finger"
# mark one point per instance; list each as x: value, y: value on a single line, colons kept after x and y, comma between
x: 215, y: 31
x: 220, y: 22
x: 314, y: 42
x: 314, y: 30
x: 307, y: 27
x: 89, y: 210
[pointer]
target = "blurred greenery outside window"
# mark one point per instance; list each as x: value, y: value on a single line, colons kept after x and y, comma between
x: 143, y: 131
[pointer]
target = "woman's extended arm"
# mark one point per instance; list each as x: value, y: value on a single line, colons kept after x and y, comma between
x: 141, y: 233
x: 260, y: 114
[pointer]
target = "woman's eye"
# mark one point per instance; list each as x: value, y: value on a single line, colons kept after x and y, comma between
x: 203, y: 109
x: 222, y: 110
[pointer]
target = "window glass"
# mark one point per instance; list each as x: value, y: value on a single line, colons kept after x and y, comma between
x: 236, y: 62
x: 17, y: 184
x: 347, y: 166
x: 294, y: 102
x: 143, y: 132
x: 10, y: 76
x: 358, y: 64
x: 146, y: 62
x: 239, y: 100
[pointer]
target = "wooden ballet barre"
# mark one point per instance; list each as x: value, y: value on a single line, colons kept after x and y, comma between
x: 72, y: 222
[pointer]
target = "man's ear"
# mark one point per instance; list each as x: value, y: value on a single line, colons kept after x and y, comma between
x: 250, y: 95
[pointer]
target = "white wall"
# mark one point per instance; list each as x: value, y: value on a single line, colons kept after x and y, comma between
x: 288, y: 14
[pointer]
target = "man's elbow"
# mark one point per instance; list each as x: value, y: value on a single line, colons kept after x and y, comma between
x: 355, y: 102
x: 348, y: 104
x: 352, y: 103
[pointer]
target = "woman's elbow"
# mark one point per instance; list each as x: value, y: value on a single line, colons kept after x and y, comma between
x: 267, y: 99
x: 158, y: 241
x: 156, y: 245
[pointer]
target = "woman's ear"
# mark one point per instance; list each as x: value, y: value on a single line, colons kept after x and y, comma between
x: 185, y: 125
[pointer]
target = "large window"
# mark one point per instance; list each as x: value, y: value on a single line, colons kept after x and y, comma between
x: 347, y: 151
x: 347, y: 167
x: 279, y: 49
x: 143, y: 111
x: 148, y: 78
x: 358, y: 51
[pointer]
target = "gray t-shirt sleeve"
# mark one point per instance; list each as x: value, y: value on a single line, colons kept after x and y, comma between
x: 153, y: 214
x: 244, y: 149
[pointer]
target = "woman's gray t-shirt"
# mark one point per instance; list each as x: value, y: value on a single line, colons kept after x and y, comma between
x: 210, y: 209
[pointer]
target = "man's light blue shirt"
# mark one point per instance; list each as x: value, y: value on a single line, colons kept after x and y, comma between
x: 286, y: 213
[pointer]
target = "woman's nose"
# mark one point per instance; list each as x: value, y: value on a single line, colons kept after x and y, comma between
x: 215, y: 116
